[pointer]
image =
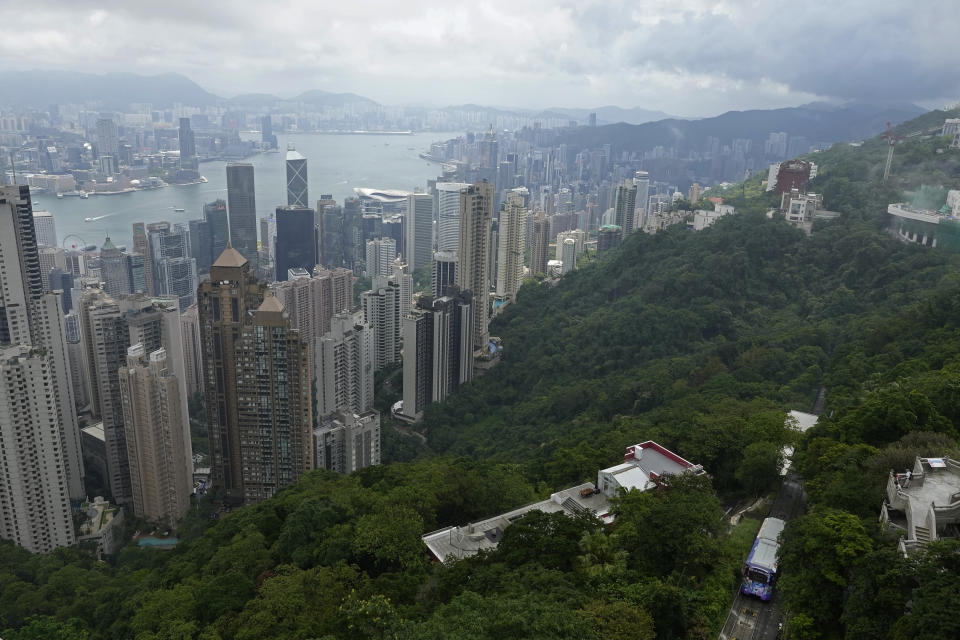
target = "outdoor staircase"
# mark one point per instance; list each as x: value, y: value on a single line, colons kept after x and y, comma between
x: 574, y: 506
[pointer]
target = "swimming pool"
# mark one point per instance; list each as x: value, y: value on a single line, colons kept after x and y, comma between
x: 149, y: 541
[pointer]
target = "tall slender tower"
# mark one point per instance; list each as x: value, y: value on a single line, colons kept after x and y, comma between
x: 448, y: 215
x: 297, y: 180
x: 274, y: 409
x: 28, y: 316
x: 174, y: 271
x: 114, y: 269
x: 540, y: 252
x: 381, y: 252
x: 224, y: 303
x: 444, y: 272
x: 242, y: 210
x: 296, y: 246
x: 344, y: 367
x: 208, y: 235
x: 381, y: 311
x: 188, y: 146
x: 155, y: 423
x: 419, y: 230
x: 625, y: 206
x: 569, y: 255
x: 512, y: 231
x: 256, y: 384
x: 107, y: 142
x: 33, y: 501
x: 476, y: 217
x: 437, y: 350
x: 142, y: 247
x: 192, y: 358
x: 109, y: 327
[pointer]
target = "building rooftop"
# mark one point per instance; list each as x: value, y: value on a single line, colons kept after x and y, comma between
x: 94, y: 430
x: 940, y: 484
x: 644, y: 465
x: 804, y: 420
x: 924, y: 502
x: 382, y: 195
x: 469, y: 539
x: 230, y: 258
x: 270, y: 304
x: 903, y: 210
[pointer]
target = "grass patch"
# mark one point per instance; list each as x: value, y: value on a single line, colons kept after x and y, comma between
x: 742, y: 536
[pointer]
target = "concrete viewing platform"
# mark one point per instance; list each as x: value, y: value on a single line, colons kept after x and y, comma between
x: 924, y: 503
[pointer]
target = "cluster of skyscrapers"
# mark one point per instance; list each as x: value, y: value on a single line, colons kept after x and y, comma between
x: 267, y: 331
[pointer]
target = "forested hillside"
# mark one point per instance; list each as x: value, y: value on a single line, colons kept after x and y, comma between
x: 700, y: 341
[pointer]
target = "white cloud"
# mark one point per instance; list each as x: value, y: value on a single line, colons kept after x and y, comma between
x: 683, y: 56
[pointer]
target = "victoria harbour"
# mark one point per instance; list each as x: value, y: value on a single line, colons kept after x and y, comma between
x: 336, y: 164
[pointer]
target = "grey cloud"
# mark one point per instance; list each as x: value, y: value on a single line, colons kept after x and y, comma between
x: 693, y: 57
x: 851, y: 50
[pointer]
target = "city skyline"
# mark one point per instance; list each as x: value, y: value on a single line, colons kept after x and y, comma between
x: 588, y: 54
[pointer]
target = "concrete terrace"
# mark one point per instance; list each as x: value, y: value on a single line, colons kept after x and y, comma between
x: 925, y: 502
x: 644, y: 466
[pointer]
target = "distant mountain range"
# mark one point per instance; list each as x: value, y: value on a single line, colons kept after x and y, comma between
x: 605, y: 115
x: 314, y: 97
x: 636, y: 127
x: 613, y: 114
x: 818, y: 122
x: 118, y: 90
x: 110, y: 90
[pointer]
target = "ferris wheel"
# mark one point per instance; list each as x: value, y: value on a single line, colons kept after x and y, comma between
x: 73, y: 242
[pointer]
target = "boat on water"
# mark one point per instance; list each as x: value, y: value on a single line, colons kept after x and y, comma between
x: 179, y: 209
x: 60, y: 196
x: 115, y: 193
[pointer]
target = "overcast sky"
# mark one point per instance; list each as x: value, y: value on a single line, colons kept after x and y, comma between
x: 685, y: 57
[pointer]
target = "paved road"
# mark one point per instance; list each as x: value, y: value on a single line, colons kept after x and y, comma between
x: 750, y: 618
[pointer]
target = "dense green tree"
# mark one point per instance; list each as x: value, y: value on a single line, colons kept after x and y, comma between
x: 619, y: 620
x: 47, y: 627
x: 530, y: 615
x: 601, y: 555
x: 673, y: 529
x: 391, y: 537
x: 760, y: 466
x: 818, y: 553
x: 551, y: 540
x: 936, y: 595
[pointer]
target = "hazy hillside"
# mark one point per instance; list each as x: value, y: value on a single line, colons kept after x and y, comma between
x: 110, y: 90
x: 815, y: 122
x: 612, y: 114
x: 119, y: 90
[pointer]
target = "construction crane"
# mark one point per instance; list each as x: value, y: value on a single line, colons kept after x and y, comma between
x: 892, y: 139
